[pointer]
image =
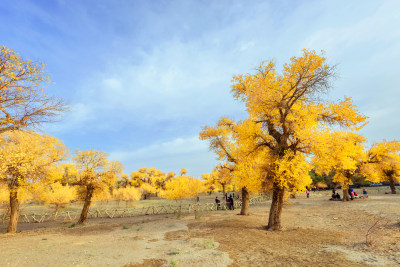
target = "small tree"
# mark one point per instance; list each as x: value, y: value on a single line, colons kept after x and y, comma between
x: 127, y: 194
x: 182, y: 187
x: 25, y: 158
x: 150, y: 180
x: 59, y: 195
x: 96, y: 172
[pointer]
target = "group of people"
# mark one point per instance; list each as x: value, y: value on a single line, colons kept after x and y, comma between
x: 351, y: 192
x: 229, y: 201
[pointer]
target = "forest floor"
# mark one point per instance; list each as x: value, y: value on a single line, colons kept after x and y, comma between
x: 316, y: 232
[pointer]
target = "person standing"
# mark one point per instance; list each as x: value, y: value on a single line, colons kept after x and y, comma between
x: 308, y: 193
x: 232, y: 207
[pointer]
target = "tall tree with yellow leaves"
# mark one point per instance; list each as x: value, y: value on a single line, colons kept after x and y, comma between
x: 25, y: 158
x: 95, y: 172
x: 23, y: 102
x: 286, y: 113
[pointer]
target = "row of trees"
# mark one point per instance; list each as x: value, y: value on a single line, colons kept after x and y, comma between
x: 35, y: 166
x: 291, y: 129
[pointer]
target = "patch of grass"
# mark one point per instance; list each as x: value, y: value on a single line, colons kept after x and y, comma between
x: 175, y: 252
x: 209, y: 243
x: 173, y: 262
x: 139, y: 227
x: 72, y: 225
x: 126, y: 227
x: 198, y: 217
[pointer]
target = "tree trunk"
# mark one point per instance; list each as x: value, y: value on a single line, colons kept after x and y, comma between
x: 180, y: 209
x: 274, y: 221
x: 14, y: 208
x: 391, y: 184
x: 86, y: 206
x: 223, y: 189
x: 196, y: 205
x: 245, y: 202
x: 346, y: 196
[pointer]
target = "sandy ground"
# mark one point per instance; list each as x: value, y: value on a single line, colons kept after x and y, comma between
x: 316, y: 232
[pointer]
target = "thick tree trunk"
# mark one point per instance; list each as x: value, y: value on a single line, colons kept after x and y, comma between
x: 392, y: 186
x: 223, y: 189
x: 245, y: 202
x: 86, y: 206
x: 14, y: 208
x: 274, y: 221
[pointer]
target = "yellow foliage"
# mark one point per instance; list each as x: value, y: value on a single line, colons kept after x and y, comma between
x: 27, y: 160
x: 4, y: 194
x: 151, y: 176
x: 383, y: 162
x: 183, y: 187
x: 127, y: 194
x: 59, y: 195
x: 96, y: 172
x: 147, y: 189
x: 23, y: 101
x: 341, y: 151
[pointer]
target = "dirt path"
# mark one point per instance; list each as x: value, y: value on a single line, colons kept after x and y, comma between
x: 316, y: 232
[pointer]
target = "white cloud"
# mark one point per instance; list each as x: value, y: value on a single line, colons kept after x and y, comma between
x: 190, y: 153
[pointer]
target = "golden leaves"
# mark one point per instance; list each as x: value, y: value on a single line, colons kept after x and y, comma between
x: 183, y: 187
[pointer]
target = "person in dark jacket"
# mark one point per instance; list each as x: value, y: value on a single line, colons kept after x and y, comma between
x: 231, y: 203
x: 217, y: 201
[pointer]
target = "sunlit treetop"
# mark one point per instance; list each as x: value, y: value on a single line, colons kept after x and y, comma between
x: 23, y: 101
x: 383, y: 161
x: 341, y: 151
x: 285, y: 110
x: 28, y: 156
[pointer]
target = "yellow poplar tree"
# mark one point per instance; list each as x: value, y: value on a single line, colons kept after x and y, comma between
x: 59, y: 195
x: 150, y: 180
x: 127, y: 194
x: 343, y: 152
x: 286, y: 113
x: 95, y: 173
x: 182, y: 187
x: 22, y: 99
x: 241, y: 166
x: 384, y: 163
x: 25, y: 158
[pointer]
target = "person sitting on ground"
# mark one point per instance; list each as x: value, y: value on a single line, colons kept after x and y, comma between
x: 355, y: 195
x: 333, y: 197
x: 337, y: 196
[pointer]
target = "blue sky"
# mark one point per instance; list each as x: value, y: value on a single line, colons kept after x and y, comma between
x: 143, y: 77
